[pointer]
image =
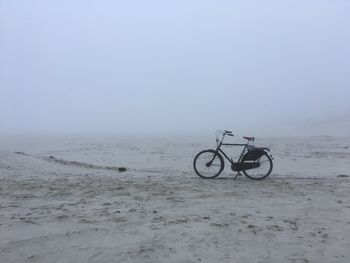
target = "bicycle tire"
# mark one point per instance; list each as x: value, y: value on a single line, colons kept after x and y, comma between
x: 200, y: 166
x: 263, y: 176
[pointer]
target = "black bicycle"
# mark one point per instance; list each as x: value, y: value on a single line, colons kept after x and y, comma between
x: 254, y: 162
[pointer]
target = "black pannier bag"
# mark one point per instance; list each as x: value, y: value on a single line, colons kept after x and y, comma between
x: 253, y: 155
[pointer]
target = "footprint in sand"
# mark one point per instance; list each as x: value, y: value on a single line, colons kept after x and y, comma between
x: 118, y: 219
x: 275, y: 228
x: 254, y: 229
x: 219, y: 225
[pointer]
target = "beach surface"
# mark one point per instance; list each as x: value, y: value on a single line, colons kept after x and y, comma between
x: 65, y: 199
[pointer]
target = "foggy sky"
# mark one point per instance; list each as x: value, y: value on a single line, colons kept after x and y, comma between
x: 256, y: 67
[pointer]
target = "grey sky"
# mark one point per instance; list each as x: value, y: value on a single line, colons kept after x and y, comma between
x: 259, y: 67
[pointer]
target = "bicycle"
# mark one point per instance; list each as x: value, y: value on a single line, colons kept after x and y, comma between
x: 254, y: 162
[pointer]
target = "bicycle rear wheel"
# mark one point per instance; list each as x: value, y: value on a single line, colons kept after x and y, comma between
x: 208, y: 164
x: 262, y: 171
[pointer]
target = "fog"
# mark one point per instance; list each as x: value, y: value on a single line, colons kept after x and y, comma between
x: 257, y: 67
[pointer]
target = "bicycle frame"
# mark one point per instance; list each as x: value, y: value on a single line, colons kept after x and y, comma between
x: 218, y: 149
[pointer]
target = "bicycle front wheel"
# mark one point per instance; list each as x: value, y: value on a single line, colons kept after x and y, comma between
x: 208, y: 164
x: 261, y: 171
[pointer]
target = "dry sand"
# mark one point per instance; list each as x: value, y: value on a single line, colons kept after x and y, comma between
x: 76, y: 206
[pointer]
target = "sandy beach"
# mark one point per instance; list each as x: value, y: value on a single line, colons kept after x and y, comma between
x: 104, y: 106
x: 65, y: 200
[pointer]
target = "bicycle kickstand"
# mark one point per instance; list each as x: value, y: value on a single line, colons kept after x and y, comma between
x: 238, y: 174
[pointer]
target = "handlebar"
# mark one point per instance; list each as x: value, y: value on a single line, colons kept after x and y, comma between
x: 222, y: 133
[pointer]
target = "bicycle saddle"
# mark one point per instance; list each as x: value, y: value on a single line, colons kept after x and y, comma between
x: 249, y: 138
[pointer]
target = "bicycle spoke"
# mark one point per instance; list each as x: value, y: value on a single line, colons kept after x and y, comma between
x: 208, y: 164
x: 262, y: 170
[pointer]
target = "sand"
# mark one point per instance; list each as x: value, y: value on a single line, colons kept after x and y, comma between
x: 65, y: 200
